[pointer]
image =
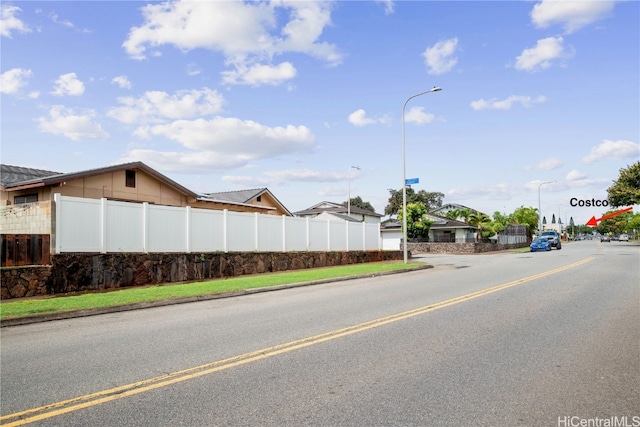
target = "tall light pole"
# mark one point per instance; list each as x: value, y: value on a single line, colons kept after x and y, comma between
x: 404, y: 176
x: 349, y: 199
x: 539, y: 208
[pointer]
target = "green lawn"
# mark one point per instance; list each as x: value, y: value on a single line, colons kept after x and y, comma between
x: 56, y: 304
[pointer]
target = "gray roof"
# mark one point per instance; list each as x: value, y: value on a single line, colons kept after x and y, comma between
x: 438, y: 222
x: 241, y: 196
x: 11, y: 175
x: 334, y: 208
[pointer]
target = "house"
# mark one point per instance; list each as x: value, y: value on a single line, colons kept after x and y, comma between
x: 340, y: 212
x: 249, y: 200
x: 130, y: 182
x: 442, y: 230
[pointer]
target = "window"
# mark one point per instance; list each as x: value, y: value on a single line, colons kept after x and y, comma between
x: 259, y: 198
x: 130, y: 178
x: 26, y: 198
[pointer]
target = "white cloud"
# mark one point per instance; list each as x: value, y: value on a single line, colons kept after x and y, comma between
x: 576, y: 175
x: 259, y: 74
x: 64, y: 121
x: 389, y: 6
x: 248, y: 34
x: 359, y: 118
x: 506, y: 104
x: 282, y: 177
x: 68, y: 84
x: 572, y: 15
x: 613, y: 150
x: 13, y: 80
x: 222, y: 143
x: 158, y: 106
x: 9, y: 22
x: 549, y: 163
x: 122, y: 81
x: 440, y: 58
x: 417, y: 115
x: 542, y: 55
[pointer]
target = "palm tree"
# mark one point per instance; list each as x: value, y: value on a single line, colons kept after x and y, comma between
x: 480, y: 221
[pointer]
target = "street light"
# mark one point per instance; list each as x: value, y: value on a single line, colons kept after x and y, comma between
x: 539, y: 208
x: 349, y: 199
x: 404, y: 175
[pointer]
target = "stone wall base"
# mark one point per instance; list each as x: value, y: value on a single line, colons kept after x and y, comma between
x: 81, y: 272
x: 461, y: 248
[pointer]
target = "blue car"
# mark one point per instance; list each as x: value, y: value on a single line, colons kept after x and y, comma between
x: 540, y: 244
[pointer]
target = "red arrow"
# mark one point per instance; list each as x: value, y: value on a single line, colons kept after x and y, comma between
x: 593, y: 222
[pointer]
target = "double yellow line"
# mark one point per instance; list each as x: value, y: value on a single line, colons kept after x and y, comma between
x: 52, y: 410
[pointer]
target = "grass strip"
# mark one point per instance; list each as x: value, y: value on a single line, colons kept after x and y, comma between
x: 63, y: 303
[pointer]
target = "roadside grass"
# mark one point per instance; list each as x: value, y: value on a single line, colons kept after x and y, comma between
x: 65, y: 303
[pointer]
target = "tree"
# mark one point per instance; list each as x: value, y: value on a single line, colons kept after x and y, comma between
x: 417, y: 223
x: 431, y: 200
x: 626, y: 189
x: 526, y: 216
x: 482, y: 222
x: 616, y: 225
x: 357, y: 202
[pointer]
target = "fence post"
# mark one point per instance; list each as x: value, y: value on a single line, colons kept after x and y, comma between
x: 103, y: 225
x: 256, y: 231
x: 56, y: 236
x: 225, y: 232
x: 328, y: 235
x: 308, y: 234
x: 145, y: 227
x: 346, y: 223
x: 187, y: 227
x: 284, y: 233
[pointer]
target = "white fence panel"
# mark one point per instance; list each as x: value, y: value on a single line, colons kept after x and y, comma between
x: 124, y: 227
x: 355, y: 236
x: 90, y: 225
x: 338, y: 236
x: 318, y: 232
x: 167, y: 229
x: 207, y: 230
x: 270, y: 229
x: 80, y: 221
x: 372, y: 239
x: 241, y: 228
x: 295, y: 234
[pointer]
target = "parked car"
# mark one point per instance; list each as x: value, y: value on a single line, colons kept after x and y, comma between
x: 605, y: 238
x: 624, y: 238
x: 553, y: 237
x: 540, y: 244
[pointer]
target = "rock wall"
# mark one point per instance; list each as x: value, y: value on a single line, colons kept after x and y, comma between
x: 19, y: 282
x: 80, y: 272
x: 461, y: 248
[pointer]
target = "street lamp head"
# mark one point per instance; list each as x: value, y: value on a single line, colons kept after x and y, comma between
x: 436, y: 89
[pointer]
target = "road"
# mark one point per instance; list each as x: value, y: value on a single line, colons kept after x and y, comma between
x: 503, y: 339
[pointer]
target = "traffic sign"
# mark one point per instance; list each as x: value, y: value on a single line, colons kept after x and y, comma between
x: 410, y: 181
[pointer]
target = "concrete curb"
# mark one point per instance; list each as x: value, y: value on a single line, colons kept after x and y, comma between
x: 139, y: 306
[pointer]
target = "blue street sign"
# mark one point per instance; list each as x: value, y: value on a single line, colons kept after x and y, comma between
x: 410, y: 181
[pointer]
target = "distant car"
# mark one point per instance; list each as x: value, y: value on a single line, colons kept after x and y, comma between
x: 540, y: 244
x: 553, y: 237
x: 605, y: 239
x: 624, y: 238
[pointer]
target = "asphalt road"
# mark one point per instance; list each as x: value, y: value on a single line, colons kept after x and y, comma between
x: 500, y: 339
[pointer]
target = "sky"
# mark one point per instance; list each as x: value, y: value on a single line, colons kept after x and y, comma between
x: 295, y: 96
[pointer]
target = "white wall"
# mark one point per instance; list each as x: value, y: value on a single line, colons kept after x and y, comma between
x: 91, y: 225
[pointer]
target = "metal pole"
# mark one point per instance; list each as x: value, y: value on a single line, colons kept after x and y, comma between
x: 404, y: 177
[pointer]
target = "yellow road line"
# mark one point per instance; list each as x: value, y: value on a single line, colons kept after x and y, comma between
x: 93, y: 399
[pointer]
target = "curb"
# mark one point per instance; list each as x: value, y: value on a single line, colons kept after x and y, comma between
x: 39, y: 318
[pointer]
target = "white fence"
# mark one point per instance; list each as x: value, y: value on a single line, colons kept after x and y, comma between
x: 91, y: 225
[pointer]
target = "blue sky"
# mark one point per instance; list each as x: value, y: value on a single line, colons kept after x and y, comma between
x: 287, y: 95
